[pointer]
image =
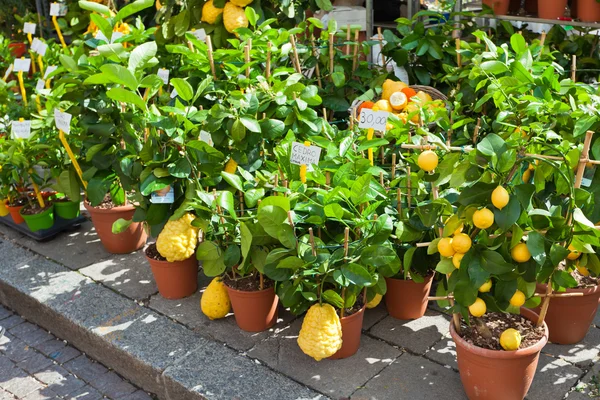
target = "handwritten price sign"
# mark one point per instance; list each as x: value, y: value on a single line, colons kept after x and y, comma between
x: 373, y: 119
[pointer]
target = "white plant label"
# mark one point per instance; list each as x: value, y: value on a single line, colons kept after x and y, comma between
x: 62, y: 120
x: 29, y: 27
x: 34, y: 44
x: 8, y: 71
x: 41, y: 48
x: 305, y: 155
x: 164, y: 196
x: 101, y: 36
x: 22, y: 64
x: 49, y: 70
x: 200, y: 34
x: 206, y: 138
x: 21, y: 129
x: 115, y: 36
x: 164, y: 75
x: 54, y: 9
x: 39, y: 86
x: 174, y: 93
x: 373, y: 119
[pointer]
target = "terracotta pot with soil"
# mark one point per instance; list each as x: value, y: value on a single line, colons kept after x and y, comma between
x: 588, y: 10
x: 103, y: 217
x: 500, y: 7
x: 14, y: 208
x: 255, y: 310
x: 407, y: 299
x: 551, y: 9
x: 38, y: 218
x: 487, y: 371
x: 175, y: 280
x: 351, y: 331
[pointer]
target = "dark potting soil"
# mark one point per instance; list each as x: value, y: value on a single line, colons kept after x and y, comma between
x: 358, y: 305
x: 485, y: 331
x: 585, y: 281
x: 249, y: 283
x: 17, y: 202
x: 33, y: 209
x: 152, y: 252
x: 106, y: 204
x: 61, y: 200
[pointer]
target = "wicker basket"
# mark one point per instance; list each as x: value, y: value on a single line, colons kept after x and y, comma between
x: 433, y: 92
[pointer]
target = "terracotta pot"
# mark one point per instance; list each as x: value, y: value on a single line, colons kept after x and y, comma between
x: 15, y: 213
x: 551, y: 9
x: 132, y: 239
x: 495, y: 374
x: 351, y: 333
x: 254, y: 311
x: 500, y: 7
x: 406, y: 299
x: 569, y: 318
x: 175, y: 280
x: 588, y: 10
x: 17, y: 49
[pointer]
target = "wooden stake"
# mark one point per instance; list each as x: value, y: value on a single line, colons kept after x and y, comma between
x: 241, y: 197
x: 381, y: 178
x: 393, y: 167
x: 331, y: 54
x: 295, y: 60
x: 476, y: 131
x: 574, y: 69
x: 346, y: 238
x: 211, y: 60
x: 247, y: 60
x: 399, y: 199
x: 312, y: 242
x: 458, y: 55
x: 268, y: 66
x: 355, y: 56
x: 348, y: 32
x: 380, y: 38
x: 63, y: 140
x: 327, y: 180
x: 408, y: 185
x: 315, y: 52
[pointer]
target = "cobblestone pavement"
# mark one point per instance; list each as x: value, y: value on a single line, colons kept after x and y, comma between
x: 35, y: 365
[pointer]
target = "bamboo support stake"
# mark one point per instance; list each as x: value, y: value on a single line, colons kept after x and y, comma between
x: 241, y: 197
x: 211, y: 59
x: 355, y: 55
x: 380, y: 38
x: 268, y: 64
x: 331, y: 54
x: 574, y: 69
x: 399, y: 200
x: 38, y: 194
x: 295, y: 59
x: 476, y: 131
x: 542, y: 295
x: 312, y: 242
x: 346, y: 239
x: 327, y: 179
x: 408, y: 185
x: 63, y: 139
x: 393, y: 173
x: 381, y: 179
x: 348, y: 33
x: 58, y: 32
x: 247, y: 60
x: 315, y: 53
x: 458, y: 55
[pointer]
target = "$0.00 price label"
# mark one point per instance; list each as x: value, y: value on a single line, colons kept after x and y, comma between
x: 373, y: 119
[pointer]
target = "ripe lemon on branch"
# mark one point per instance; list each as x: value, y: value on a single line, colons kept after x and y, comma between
x: 428, y: 161
x: 500, y: 197
x: 210, y: 13
x: 520, y: 253
x: 483, y: 218
x: 478, y: 308
x: 234, y: 17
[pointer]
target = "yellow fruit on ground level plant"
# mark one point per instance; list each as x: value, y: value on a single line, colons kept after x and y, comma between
x: 383, y: 105
x: 375, y: 302
x: 178, y: 239
x: 518, y: 299
x: 321, y: 333
x: 510, y: 339
x: 413, y: 108
x: 398, y: 101
x: 234, y: 17
x: 461, y: 243
x: 483, y: 218
x: 456, y: 260
x: 486, y: 287
x: 500, y: 197
x: 445, y: 247
x: 520, y: 253
x: 574, y: 254
x: 210, y: 13
x: 478, y: 308
x: 215, y: 302
x: 583, y: 270
x: 241, y: 3
x: 428, y: 160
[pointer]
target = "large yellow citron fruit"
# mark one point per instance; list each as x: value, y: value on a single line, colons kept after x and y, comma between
x: 210, y: 13
x: 383, y: 105
x: 241, y: 3
x: 520, y: 253
x: 234, y: 17
x: 461, y: 243
x: 178, y: 239
x: 483, y: 218
x: 321, y: 333
x: 486, y: 287
x: 445, y: 247
x: 574, y: 254
x: 457, y: 259
x: 398, y: 101
x: 390, y: 87
x: 500, y: 197
x: 510, y: 339
x: 478, y: 308
x: 428, y: 160
x: 518, y: 299
x: 375, y: 302
x: 215, y: 302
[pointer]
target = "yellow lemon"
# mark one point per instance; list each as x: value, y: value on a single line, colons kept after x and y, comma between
x: 398, y: 101
x: 486, y: 287
x: 478, y: 308
x: 510, y: 339
x: 234, y: 17
x: 483, y: 218
x: 456, y: 259
x: 428, y: 161
x: 423, y: 97
x: 461, y: 243
x: 383, y: 105
x: 500, y: 197
x: 410, y: 109
x: 526, y: 176
x: 518, y: 299
x: 241, y: 3
x: 583, y: 270
x: 445, y: 247
x: 210, y: 13
x: 574, y: 254
x: 520, y: 253
x: 375, y: 302
x: 459, y: 229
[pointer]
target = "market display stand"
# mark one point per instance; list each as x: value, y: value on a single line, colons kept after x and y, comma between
x: 60, y: 225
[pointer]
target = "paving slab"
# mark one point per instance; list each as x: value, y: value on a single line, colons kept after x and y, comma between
x: 113, y: 386
x: 4, y: 313
x: 417, y: 336
x: 589, y: 385
x: 374, y: 315
x: 59, y: 380
x: 413, y: 377
x: 444, y: 352
x: 582, y: 353
x: 335, y: 378
x: 42, y: 394
x: 553, y: 376
x: 188, y: 312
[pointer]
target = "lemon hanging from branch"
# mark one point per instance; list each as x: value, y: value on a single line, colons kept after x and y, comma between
x: 500, y: 197
x: 483, y: 218
x: 428, y: 161
x: 210, y: 13
x: 234, y: 17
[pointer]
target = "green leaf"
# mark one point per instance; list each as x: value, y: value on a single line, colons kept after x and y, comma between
x: 356, y: 274
x: 102, y: 24
x: 119, y: 74
x: 139, y: 56
x: 333, y: 298
x: 251, y: 124
x: 208, y: 251
x: 445, y: 266
x: 233, y: 180
x: 272, y: 128
x: 93, y: 6
x: 214, y: 267
x: 479, y: 193
x: 334, y: 211
x: 180, y: 169
x: 232, y: 255
x: 271, y: 218
x: 120, y: 225
x: 238, y: 131
x: 133, y: 8
x: 184, y: 89
x: 339, y: 79
x: 494, y: 67
x: 127, y: 97
x: 290, y: 263
x: 518, y: 44
x: 246, y: 239
x: 225, y: 200
x: 278, y: 201
x: 494, y: 263
x: 251, y: 15
x: 535, y: 245
x: 506, y: 217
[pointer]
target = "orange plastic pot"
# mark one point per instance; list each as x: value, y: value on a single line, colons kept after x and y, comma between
x: 500, y: 7
x: 551, y: 9
x: 132, y: 239
x: 17, y: 49
x: 494, y: 374
x: 588, y: 10
x: 254, y: 311
x: 4, y: 208
x: 175, y: 280
x: 15, y: 213
x: 406, y: 299
x: 351, y: 333
x: 569, y: 318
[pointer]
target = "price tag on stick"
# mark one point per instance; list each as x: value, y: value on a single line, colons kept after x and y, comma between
x: 54, y: 9
x: 21, y: 129
x: 164, y: 75
x: 39, y: 85
x: 29, y: 27
x: 62, y: 121
x: 373, y: 119
x: 49, y: 70
x: 22, y: 64
x: 305, y: 155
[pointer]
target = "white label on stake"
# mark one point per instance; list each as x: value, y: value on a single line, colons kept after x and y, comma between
x: 373, y: 119
x: 54, y: 9
x: 41, y: 48
x: 206, y: 138
x: 62, y: 120
x: 22, y: 64
x: 8, y: 71
x: 101, y: 36
x: 115, y: 36
x: 304, y: 155
x: 164, y: 196
x: 174, y: 93
x: 39, y: 86
x: 21, y: 129
x: 49, y: 70
x: 29, y: 27
x: 164, y: 75
x: 200, y: 34
x: 34, y: 44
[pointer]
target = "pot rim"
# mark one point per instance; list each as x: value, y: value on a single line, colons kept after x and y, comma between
x: 586, y: 291
x: 167, y: 264
x: 427, y: 278
x: 244, y: 292
x: 125, y: 207
x: 14, y: 207
x: 38, y: 215
x: 503, y: 354
x: 356, y: 314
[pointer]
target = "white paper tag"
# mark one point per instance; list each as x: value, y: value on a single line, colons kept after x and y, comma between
x: 200, y: 34
x: 22, y: 64
x: 8, y: 71
x: 62, y: 120
x: 101, y: 36
x: 164, y: 196
x: 86, y: 103
x: 41, y: 48
x: 21, y: 129
x: 49, y: 70
x: 115, y: 36
x: 39, y: 86
x: 373, y: 119
x: 54, y: 9
x: 164, y: 75
x: 206, y: 138
x: 304, y: 155
x: 34, y: 44
x: 29, y: 27
x: 174, y: 93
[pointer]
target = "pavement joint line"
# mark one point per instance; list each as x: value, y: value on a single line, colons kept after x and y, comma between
x: 364, y: 385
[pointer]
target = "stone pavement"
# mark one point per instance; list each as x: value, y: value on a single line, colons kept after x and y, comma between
x: 108, y: 306
x: 35, y: 365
